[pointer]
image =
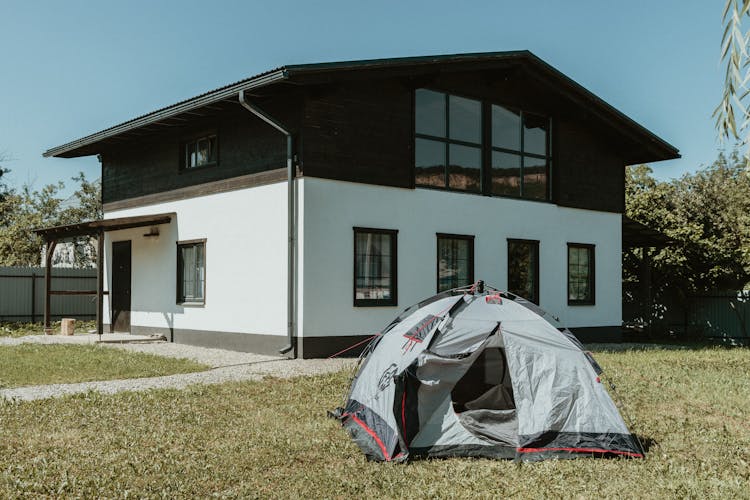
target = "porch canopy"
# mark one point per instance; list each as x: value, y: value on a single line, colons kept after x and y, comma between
x: 637, y: 235
x: 95, y: 228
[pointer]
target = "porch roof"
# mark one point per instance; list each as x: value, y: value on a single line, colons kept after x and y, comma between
x: 99, y: 226
x: 637, y: 235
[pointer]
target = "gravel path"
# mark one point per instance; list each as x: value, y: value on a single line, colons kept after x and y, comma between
x: 225, y: 366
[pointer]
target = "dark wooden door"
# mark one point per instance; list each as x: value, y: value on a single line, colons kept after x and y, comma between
x: 120, y: 291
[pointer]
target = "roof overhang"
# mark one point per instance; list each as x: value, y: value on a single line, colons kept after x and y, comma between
x: 654, y: 148
x: 100, y: 226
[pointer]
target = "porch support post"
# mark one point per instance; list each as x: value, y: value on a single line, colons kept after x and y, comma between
x: 100, y: 284
x: 48, y: 285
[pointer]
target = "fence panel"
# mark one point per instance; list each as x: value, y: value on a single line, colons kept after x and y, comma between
x: 22, y: 293
x: 724, y: 316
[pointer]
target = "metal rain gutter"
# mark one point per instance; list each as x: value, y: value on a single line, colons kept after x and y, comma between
x: 169, y: 112
x: 291, y: 216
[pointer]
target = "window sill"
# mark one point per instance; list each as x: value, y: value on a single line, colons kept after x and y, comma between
x: 375, y: 303
x: 191, y: 304
x: 201, y: 167
x: 581, y: 303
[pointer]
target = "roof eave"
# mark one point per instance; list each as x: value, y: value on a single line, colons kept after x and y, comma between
x: 171, y: 111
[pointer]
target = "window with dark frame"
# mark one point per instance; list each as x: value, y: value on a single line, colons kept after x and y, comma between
x: 455, y: 261
x: 191, y: 272
x: 523, y: 269
x: 449, y: 151
x: 448, y: 141
x: 199, y: 152
x: 581, y: 267
x: 375, y: 267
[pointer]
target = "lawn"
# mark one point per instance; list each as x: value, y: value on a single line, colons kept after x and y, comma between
x: 272, y: 438
x: 21, y: 329
x: 35, y: 364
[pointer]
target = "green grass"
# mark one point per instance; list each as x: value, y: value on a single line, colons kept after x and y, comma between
x: 21, y: 329
x: 36, y: 364
x: 272, y: 439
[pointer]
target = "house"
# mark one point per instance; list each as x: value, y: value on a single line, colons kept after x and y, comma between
x: 310, y: 204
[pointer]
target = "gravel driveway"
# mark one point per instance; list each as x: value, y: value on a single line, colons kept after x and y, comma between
x: 225, y: 366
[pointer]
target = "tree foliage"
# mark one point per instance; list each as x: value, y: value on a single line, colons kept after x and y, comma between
x: 707, y: 214
x: 732, y: 115
x: 23, y: 210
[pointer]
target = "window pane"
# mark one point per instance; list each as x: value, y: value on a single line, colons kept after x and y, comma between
x: 535, y: 134
x: 430, y: 112
x: 465, y: 119
x: 506, y: 128
x: 522, y: 269
x: 534, y: 178
x: 200, y: 271
x: 429, y: 161
x: 190, y: 156
x: 454, y: 263
x: 506, y: 174
x: 192, y: 270
x: 465, y: 168
x: 579, y: 274
x: 203, y: 151
x: 373, y: 263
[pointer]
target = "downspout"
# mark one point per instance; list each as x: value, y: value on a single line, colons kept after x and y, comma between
x: 291, y: 218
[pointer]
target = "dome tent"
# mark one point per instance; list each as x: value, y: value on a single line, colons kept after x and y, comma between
x: 478, y: 372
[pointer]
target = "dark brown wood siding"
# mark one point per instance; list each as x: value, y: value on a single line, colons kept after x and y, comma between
x: 363, y: 132
x: 151, y: 165
x: 587, y: 173
x: 359, y: 132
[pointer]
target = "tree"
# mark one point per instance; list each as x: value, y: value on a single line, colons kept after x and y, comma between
x: 707, y: 214
x: 24, y: 210
x: 732, y: 115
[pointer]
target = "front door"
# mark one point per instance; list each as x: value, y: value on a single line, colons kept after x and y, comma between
x: 120, y: 291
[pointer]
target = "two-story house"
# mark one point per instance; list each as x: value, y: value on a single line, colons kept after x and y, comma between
x: 312, y: 203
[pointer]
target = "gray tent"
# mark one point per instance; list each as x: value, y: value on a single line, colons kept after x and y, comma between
x: 479, y: 372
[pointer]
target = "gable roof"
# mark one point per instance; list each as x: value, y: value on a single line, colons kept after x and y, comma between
x: 296, y: 73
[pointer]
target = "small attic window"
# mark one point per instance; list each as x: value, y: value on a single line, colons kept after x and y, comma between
x: 199, y: 152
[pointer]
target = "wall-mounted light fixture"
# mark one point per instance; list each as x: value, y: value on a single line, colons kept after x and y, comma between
x: 153, y: 232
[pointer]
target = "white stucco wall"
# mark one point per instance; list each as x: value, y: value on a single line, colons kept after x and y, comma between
x: 333, y: 208
x: 245, y: 262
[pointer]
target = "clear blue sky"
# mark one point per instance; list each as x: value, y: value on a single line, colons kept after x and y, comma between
x: 70, y: 68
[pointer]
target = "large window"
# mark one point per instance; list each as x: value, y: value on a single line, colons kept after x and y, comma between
x: 523, y: 269
x: 448, y: 147
x: 191, y: 272
x: 520, y: 154
x: 469, y: 145
x: 199, y: 152
x: 455, y: 261
x: 580, y: 274
x: 375, y: 267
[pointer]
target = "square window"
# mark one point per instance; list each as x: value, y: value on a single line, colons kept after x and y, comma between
x: 199, y: 152
x: 375, y: 259
x: 191, y: 272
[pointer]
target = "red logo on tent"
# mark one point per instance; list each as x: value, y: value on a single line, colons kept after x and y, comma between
x: 493, y: 299
x: 418, y: 332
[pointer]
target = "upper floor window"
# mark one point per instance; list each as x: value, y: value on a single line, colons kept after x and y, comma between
x: 520, y: 154
x: 199, y: 152
x: 456, y: 147
x: 448, y: 148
